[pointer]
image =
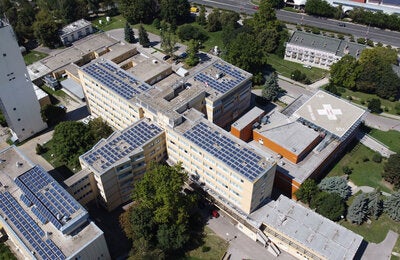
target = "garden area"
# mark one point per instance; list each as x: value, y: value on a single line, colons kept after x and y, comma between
x: 33, y: 56
x: 214, y: 247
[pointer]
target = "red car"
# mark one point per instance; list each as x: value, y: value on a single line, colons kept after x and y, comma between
x: 215, y: 213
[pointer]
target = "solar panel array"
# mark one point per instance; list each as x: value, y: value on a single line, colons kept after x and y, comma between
x: 133, y: 137
x: 52, y: 201
x: 225, y: 149
x: 226, y: 84
x: 33, y: 234
x: 116, y: 79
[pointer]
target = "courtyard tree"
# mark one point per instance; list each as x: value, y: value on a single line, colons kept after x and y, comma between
x: 392, y: 206
x: 335, y: 185
x: 329, y: 205
x: 391, y: 170
x: 307, y: 191
x: 99, y: 129
x: 358, y: 209
x: 375, y: 204
x: 52, y: 115
x: 271, y: 89
x: 158, y: 221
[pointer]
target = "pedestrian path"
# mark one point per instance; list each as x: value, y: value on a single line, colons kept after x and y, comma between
x: 374, y: 144
x: 364, y: 189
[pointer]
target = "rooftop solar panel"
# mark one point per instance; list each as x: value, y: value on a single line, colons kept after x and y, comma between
x: 224, y: 149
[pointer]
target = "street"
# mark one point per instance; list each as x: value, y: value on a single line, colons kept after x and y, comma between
x: 375, y: 34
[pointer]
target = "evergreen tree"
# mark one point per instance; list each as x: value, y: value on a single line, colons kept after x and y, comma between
x: 391, y: 170
x: 193, y: 49
x: 336, y: 185
x: 358, y: 210
x: 168, y: 40
x: 271, y: 89
x: 129, y: 34
x: 201, y: 18
x: 375, y: 205
x: 392, y: 206
x: 143, y: 37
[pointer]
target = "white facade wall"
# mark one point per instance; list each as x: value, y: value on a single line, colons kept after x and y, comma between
x: 76, y: 35
x: 18, y: 100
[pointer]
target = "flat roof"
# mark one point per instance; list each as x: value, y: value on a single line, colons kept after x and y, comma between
x: 37, y: 209
x: 291, y: 135
x: 247, y: 118
x: 309, y: 229
x: 116, y: 79
x: 73, y: 87
x: 39, y: 92
x: 233, y: 152
x: 325, y: 43
x: 331, y: 113
x: 121, y: 145
x: 72, y: 27
x: 145, y: 68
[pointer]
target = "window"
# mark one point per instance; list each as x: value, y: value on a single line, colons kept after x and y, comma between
x: 4, y: 54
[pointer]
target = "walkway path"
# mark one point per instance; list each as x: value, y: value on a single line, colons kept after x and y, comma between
x: 374, y: 144
x: 382, y: 250
x: 365, y: 189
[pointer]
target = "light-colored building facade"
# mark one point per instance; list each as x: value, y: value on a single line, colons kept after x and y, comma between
x: 239, y: 174
x: 41, y: 219
x: 18, y: 100
x: 113, y: 165
x: 319, y: 51
x: 75, y: 31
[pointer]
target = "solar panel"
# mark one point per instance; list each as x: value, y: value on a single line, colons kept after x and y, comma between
x: 227, y: 150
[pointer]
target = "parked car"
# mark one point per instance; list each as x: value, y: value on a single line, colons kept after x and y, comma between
x: 342, y: 24
x: 166, y: 57
x: 215, y: 213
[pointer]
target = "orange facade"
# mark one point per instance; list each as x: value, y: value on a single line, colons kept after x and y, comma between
x: 245, y: 134
x: 286, y: 184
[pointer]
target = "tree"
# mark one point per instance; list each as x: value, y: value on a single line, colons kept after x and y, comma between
x: 335, y: 185
x: 201, y: 18
x: 168, y: 40
x: 319, y: 8
x: 265, y: 14
x: 187, y: 32
x: 45, y: 29
x: 99, y: 129
x: 392, y: 206
x: 70, y: 140
x: 271, y: 89
x: 307, y: 191
x: 228, y: 18
x: 138, y: 11
x: 193, y: 49
x: 143, y: 37
x: 358, y: 209
x: 343, y: 72
x: 175, y: 11
x: 52, y: 115
x: 374, y: 105
x: 40, y: 149
x: 329, y: 205
x: 129, y: 34
x: 375, y: 204
x: 158, y: 221
x: 391, y: 170
x: 213, y: 21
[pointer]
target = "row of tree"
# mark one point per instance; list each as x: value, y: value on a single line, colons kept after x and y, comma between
x: 372, y: 73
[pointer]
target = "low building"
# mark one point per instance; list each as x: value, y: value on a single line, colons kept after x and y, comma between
x: 75, y: 31
x: 42, y: 219
x: 112, y: 166
x: 318, y: 50
x: 304, y: 233
x: 43, y: 97
x: 243, y: 127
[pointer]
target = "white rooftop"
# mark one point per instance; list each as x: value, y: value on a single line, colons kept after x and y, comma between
x: 309, y: 229
x: 72, y: 27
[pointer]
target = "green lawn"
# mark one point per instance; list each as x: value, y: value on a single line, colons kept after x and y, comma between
x: 362, y: 98
x: 114, y: 23
x: 217, y: 247
x: 33, y: 56
x: 365, y: 173
x: 377, y: 230
x: 53, y: 160
x: 390, y: 138
x: 285, y: 68
x: 5, y: 253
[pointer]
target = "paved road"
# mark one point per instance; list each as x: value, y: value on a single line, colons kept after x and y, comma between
x: 382, y: 250
x: 241, y: 247
x: 375, y: 34
x: 374, y: 144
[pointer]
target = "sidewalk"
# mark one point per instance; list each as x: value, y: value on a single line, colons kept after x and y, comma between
x: 365, y: 189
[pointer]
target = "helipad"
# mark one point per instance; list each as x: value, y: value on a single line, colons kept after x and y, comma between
x: 328, y: 112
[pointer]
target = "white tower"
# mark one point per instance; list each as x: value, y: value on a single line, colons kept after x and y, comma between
x: 18, y: 100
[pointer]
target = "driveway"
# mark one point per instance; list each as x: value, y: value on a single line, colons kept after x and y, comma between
x: 382, y: 250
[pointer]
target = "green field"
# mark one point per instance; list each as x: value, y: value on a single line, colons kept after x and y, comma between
x: 56, y: 163
x: 33, y: 56
x: 390, y: 138
x: 217, y: 247
x: 285, y: 68
x: 365, y: 173
x: 114, y: 23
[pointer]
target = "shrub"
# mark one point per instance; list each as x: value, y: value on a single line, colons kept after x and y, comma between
x: 377, y: 157
x: 361, y: 40
x: 205, y: 249
x: 40, y: 149
x: 365, y: 159
x: 347, y: 170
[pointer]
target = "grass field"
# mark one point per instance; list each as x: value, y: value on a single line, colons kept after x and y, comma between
x: 365, y: 172
x: 285, y: 68
x: 65, y: 168
x: 362, y: 98
x: 217, y: 247
x: 114, y: 23
x: 390, y: 138
x: 33, y: 56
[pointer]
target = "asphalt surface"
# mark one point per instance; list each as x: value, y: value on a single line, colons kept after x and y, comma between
x: 375, y: 34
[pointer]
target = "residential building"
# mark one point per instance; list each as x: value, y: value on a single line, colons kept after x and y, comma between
x: 112, y: 166
x: 40, y: 217
x: 239, y: 174
x: 304, y: 233
x: 18, y: 100
x: 75, y: 31
x: 318, y: 50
